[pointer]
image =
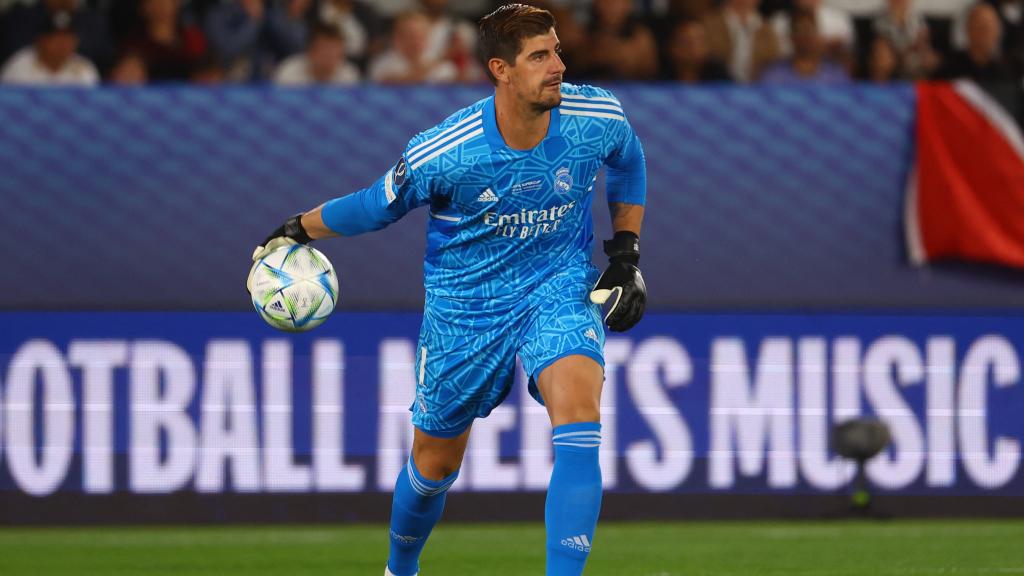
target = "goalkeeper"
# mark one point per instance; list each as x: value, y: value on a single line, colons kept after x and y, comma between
x: 508, y: 183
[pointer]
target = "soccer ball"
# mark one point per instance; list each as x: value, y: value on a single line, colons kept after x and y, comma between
x: 294, y: 288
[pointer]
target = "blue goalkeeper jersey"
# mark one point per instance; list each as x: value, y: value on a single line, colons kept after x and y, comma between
x: 504, y: 220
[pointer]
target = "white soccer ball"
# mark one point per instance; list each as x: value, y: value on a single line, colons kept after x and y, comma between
x: 294, y: 288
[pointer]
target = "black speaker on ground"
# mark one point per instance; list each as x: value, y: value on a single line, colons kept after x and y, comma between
x: 860, y: 440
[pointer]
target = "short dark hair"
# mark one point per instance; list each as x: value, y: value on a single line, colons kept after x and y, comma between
x: 320, y: 29
x: 502, y: 32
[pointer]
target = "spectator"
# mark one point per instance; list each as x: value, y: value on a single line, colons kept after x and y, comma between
x: 677, y: 10
x: 170, y: 47
x: 406, y: 62
x: 621, y: 47
x: 739, y: 37
x: 1011, y: 15
x: 452, y: 39
x: 208, y: 72
x: 356, y: 22
x: 23, y: 20
x: 251, y: 36
x: 883, y: 63
x: 906, y: 31
x: 572, y: 36
x: 982, y: 60
x: 663, y: 18
x: 834, y: 25
x: 690, y: 60
x: 393, y: 8
x: 808, y: 63
x: 129, y: 70
x: 323, y: 62
x: 51, y: 58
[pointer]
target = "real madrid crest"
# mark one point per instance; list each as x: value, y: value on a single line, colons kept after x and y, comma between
x: 563, y: 181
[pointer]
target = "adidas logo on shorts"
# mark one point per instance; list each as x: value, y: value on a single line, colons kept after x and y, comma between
x: 487, y: 195
x: 590, y: 333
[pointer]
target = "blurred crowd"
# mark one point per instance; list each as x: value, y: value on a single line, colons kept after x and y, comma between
x: 299, y: 42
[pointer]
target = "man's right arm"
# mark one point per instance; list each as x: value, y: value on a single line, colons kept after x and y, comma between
x: 385, y: 201
x: 372, y: 208
x: 313, y: 222
x: 388, y: 199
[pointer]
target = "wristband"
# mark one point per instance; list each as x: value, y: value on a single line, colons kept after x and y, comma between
x: 293, y: 229
x: 623, y: 247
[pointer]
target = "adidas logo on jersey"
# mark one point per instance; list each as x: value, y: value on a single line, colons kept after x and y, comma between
x: 592, y: 334
x: 487, y: 195
x: 581, y: 543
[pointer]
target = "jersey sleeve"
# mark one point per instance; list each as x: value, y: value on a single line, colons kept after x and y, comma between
x: 392, y: 196
x: 627, y: 168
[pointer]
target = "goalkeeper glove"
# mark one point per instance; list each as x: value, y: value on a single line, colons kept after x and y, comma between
x: 621, y: 284
x: 287, y: 234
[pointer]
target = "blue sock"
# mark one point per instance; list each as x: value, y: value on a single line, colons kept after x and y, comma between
x: 574, y: 497
x: 415, y: 508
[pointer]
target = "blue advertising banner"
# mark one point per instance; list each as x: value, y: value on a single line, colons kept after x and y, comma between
x: 154, y: 403
x: 799, y: 187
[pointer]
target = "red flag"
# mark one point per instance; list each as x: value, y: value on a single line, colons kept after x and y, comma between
x: 965, y: 197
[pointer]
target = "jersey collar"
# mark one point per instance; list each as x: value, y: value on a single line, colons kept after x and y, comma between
x: 494, y: 137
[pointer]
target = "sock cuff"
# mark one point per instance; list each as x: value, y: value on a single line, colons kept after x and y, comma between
x: 427, y: 487
x: 577, y: 435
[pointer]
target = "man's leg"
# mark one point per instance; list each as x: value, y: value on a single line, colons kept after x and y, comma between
x: 571, y: 389
x: 419, y: 497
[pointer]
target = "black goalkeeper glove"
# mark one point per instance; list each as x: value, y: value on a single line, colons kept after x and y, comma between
x: 287, y: 234
x: 291, y: 232
x: 621, y: 285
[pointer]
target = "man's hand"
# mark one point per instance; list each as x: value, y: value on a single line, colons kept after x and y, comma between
x: 287, y: 234
x: 621, y: 284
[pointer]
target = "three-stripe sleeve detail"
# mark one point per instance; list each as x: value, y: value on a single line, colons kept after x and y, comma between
x: 595, y: 107
x: 468, y: 128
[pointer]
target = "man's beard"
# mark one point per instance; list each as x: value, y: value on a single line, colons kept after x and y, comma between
x: 546, y: 104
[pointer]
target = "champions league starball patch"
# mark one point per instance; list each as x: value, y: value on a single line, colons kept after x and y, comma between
x: 563, y: 180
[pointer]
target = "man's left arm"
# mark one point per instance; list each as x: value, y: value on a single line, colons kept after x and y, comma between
x: 621, y: 286
x: 626, y: 217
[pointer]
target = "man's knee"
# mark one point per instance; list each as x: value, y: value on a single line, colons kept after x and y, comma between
x: 435, y: 466
x: 571, y: 388
x: 582, y: 407
x: 577, y: 413
x: 438, y: 458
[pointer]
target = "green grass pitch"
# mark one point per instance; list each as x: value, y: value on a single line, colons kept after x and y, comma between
x: 837, y: 548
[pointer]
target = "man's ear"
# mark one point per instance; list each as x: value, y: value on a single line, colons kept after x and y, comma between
x: 499, y: 68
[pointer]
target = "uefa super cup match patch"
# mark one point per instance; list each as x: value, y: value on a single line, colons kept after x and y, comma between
x: 401, y: 171
x: 396, y: 179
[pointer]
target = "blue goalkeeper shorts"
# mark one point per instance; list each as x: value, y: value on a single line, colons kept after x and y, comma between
x: 466, y: 357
